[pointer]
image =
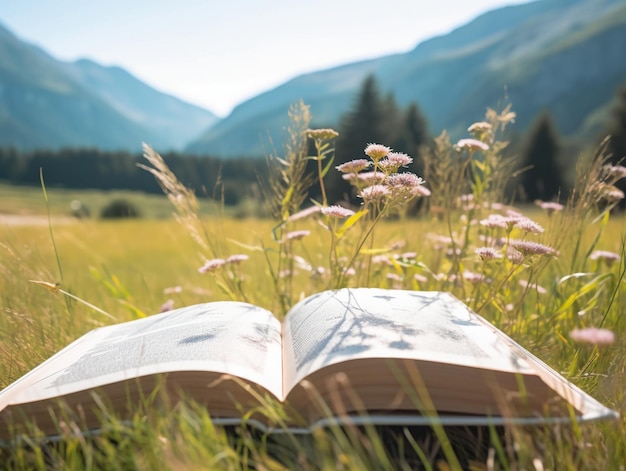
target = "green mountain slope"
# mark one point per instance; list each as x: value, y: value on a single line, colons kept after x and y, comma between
x: 172, y: 119
x: 46, y: 103
x: 563, y: 55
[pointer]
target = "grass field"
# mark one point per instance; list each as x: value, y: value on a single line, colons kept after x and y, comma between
x: 538, y: 292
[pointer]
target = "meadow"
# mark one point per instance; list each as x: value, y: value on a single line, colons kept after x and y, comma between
x: 545, y: 274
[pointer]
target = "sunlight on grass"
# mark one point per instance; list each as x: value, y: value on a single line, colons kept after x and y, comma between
x: 535, y: 274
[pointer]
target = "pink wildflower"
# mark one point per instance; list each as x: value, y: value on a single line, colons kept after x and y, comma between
x: 304, y: 213
x: 514, y: 256
x: 377, y: 151
x: 528, y: 225
x: 487, y: 253
x: 337, y: 211
x: 211, y: 265
x: 615, y: 171
x: 479, y: 129
x: 354, y: 166
x: 408, y: 180
x: 173, y: 290
x: 472, y: 277
x: 535, y: 286
x: 371, y: 177
x: 471, y: 145
x: 297, y: 235
x: 237, y: 258
x: 381, y: 259
x: 420, y: 278
x: 348, y: 272
x: 167, y: 305
x: 527, y: 247
x: 374, y: 193
x: 593, y: 335
x: 608, y: 257
x: 550, y: 206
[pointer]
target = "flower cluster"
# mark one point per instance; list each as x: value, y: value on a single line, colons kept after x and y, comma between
x: 383, y: 185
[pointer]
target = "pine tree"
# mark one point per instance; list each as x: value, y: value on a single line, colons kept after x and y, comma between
x: 617, y: 129
x: 362, y: 125
x: 542, y: 178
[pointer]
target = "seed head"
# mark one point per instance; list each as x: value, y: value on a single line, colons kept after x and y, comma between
x: 322, y: 134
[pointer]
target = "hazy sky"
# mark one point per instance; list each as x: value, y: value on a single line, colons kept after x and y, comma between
x: 217, y: 53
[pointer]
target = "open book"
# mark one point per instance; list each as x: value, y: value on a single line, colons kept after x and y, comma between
x: 359, y: 355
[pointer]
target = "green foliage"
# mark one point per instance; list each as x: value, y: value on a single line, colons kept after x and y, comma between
x: 119, y: 209
x: 537, y: 276
x: 374, y: 119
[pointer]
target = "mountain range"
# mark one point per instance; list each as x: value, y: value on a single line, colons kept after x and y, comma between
x: 564, y: 56
x: 49, y: 103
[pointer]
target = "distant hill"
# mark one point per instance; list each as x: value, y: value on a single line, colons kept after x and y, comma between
x: 46, y: 103
x: 566, y: 56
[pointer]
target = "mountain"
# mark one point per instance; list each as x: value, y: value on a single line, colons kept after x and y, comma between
x: 163, y: 115
x: 562, y: 55
x: 49, y: 103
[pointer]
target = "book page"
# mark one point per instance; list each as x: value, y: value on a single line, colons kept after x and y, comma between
x: 349, y: 324
x: 224, y: 337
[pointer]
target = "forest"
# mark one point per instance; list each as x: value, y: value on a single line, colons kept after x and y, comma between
x: 544, y: 157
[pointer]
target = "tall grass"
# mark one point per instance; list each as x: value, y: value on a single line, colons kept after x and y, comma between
x: 544, y: 274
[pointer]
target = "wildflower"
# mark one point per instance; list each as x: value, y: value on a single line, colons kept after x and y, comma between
x: 527, y: 247
x: 615, y: 171
x: 304, y: 213
x: 381, y: 259
x: 535, y: 286
x: 471, y: 145
x: 372, y: 177
x: 394, y: 161
x: 613, y: 194
x: 374, y: 193
x: 480, y: 129
x: 318, y: 272
x: 472, y: 277
x: 408, y: 255
x: 348, y: 272
x: 608, y: 257
x: 494, y: 221
x: 167, y: 305
x: 420, y: 278
x: 336, y: 211
x: 514, y: 256
x: 211, y: 265
x: 238, y: 258
x: 593, y: 335
x: 377, y: 151
x: 354, y: 166
x: 421, y: 191
x: 394, y: 277
x: 173, y: 290
x: 407, y: 180
x: 487, y: 253
x: 550, y: 206
x: 322, y: 133
x: 297, y: 235
x: 527, y: 225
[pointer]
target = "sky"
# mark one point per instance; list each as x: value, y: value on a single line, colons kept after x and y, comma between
x: 218, y: 53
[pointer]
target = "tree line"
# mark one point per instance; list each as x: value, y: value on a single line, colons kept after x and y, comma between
x: 372, y: 118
